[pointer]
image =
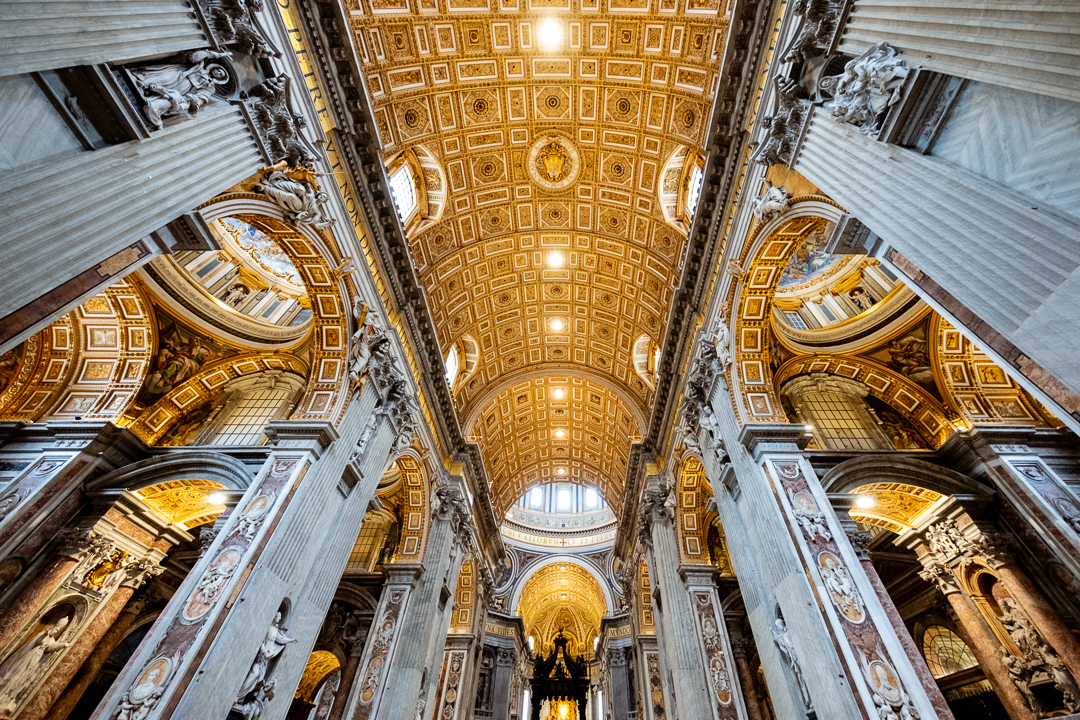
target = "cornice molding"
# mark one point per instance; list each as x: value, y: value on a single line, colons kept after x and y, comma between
x: 742, y: 54
x: 357, y: 141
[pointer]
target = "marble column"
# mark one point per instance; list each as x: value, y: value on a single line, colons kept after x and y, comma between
x: 93, y: 664
x: 1030, y: 47
x: 43, y: 586
x: 825, y: 589
x: 56, y: 687
x: 701, y: 672
x: 282, y: 551
x: 348, y: 677
x: 860, y: 543
x: 982, y: 641
x: 43, y: 36
x: 739, y: 649
x: 502, y: 679
x: 930, y: 212
x: 61, y: 252
x: 620, y: 703
x: 714, y: 642
x: 1046, y: 619
x: 399, y: 668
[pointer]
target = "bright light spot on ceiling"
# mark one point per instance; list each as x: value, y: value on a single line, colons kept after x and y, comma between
x: 558, y: 393
x: 555, y: 259
x: 550, y: 34
x: 865, y: 502
x: 217, y: 498
x: 560, y: 433
x: 557, y: 325
x: 561, y: 471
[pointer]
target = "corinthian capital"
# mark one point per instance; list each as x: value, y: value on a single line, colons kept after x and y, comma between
x: 938, y: 574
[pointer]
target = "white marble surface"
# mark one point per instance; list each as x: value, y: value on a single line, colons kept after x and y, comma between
x: 1028, y: 142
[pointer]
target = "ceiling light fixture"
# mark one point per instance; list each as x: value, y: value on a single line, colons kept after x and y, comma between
x: 865, y: 502
x: 217, y: 498
x: 560, y: 433
x: 558, y: 393
x: 550, y: 34
x: 555, y: 259
x: 557, y: 325
x: 561, y: 471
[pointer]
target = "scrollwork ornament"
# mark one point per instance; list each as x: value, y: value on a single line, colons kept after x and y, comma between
x: 139, y: 571
x: 281, y: 128
x: 235, y: 24
x: 783, y: 126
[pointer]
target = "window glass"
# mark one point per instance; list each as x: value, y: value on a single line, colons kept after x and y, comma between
x: 451, y: 367
x: 694, y: 190
x: 401, y: 185
x: 946, y: 653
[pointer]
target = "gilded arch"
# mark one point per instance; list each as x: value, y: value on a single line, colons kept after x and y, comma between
x: 315, y: 256
x: 912, y: 401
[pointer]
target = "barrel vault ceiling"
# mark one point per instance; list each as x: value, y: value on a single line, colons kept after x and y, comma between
x: 553, y: 136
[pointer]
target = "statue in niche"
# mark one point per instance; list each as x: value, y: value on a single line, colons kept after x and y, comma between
x: 861, y: 299
x: 27, y: 664
x: 183, y: 87
x: 787, y: 651
x: 870, y: 85
x: 297, y: 192
x: 236, y: 295
x: 255, y: 683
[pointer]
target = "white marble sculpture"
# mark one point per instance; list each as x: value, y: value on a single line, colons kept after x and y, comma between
x: 183, y: 87
x: 775, y: 201
x: 301, y: 201
x: 27, y: 664
x: 787, y: 651
x: 870, y: 85
x: 272, y: 645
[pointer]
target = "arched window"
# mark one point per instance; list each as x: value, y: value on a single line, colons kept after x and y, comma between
x: 693, y: 190
x: 646, y: 359
x: 452, y: 367
x: 403, y: 187
x: 945, y: 652
x: 837, y: 412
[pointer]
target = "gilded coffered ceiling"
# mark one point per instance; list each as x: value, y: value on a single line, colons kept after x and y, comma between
x: 561, y: 139
x: 555, y: 428
x: 562, y: 594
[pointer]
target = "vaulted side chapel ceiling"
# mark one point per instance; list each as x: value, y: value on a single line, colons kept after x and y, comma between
x: 555, y: 145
